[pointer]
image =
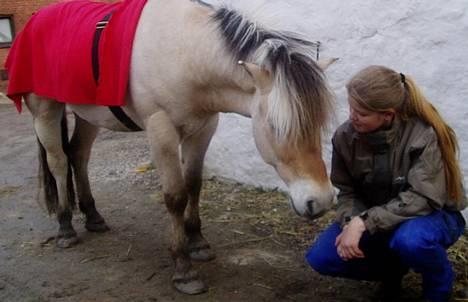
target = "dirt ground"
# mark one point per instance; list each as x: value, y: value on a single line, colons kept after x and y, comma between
x: 259, y: 242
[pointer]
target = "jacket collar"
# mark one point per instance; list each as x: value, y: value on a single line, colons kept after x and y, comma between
x: 381, y: 140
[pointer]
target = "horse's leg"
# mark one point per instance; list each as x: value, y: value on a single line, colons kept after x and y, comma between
x: 81, y: 143
x: 193, y: 154
x: 164, y: 141
x: 50, y: 126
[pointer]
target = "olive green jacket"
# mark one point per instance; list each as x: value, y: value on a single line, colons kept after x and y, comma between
x: 390, y: 175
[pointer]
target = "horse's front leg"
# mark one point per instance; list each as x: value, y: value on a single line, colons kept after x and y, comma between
x: 164, y: 141
x: 193, y: 154
x: 81, y: 143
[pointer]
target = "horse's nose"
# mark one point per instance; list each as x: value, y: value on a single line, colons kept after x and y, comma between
x: 313, y: 210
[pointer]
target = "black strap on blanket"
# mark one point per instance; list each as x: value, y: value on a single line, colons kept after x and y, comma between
x: 95, y: 51
x: 116, y: 110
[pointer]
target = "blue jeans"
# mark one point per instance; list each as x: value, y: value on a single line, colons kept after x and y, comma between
x: 419, y: 244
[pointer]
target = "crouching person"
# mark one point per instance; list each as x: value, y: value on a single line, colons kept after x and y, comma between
x: 400, y: 189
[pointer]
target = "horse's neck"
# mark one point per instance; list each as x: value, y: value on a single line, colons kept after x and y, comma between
x: 232, y: 89
x: 229, y: 88
x: 233, y: 100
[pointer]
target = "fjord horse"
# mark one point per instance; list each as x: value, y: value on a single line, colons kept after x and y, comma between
x: 189, y: 62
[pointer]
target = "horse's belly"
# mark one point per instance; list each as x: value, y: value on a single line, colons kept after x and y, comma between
x: 99, y: 116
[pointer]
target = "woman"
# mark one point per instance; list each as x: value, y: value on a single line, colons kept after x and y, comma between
x: 400, y: 189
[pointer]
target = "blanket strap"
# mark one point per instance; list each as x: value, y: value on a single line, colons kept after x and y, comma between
x: 116, y: 110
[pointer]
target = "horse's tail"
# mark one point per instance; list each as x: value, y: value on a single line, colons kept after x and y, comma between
x: 48, y: 187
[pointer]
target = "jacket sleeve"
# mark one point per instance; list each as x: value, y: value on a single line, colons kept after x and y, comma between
x: 348, y: 204
x: 426, y: 189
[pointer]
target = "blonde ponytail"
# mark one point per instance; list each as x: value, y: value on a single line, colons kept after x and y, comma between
x: 416, y: 104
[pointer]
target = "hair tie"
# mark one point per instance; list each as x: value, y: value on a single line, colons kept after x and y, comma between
x: 403, y: 78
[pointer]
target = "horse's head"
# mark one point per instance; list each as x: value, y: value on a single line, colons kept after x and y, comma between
x: 290, y: 107
x: 292, y: 147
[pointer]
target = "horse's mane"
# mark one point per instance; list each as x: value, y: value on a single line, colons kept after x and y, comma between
x: 300, y: 102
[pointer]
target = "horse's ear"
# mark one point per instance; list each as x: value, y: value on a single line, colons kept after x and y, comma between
x: 261, y: 76
x: 324, y: 63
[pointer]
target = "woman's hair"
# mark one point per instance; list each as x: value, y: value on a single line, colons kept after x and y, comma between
x: 381, y: 89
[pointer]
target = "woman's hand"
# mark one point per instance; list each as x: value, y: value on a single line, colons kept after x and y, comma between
x: 347, y: 243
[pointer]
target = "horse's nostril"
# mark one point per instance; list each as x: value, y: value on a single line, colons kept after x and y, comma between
x: 310, y: 206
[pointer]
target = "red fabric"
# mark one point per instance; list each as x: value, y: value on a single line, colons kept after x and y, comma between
x: 52, y: 55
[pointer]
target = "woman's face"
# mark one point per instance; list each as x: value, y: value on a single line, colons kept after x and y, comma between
x: 365, y: 121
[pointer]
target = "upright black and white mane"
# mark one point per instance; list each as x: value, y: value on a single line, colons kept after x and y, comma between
x: 300, y: 102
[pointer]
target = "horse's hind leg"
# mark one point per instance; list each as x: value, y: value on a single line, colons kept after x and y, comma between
x: 80, y: 150
x: 50, y: 126
x: 164, y: 140
x: 193, y: 154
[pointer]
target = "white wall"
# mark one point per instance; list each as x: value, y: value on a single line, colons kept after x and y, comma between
x: 425, y: 39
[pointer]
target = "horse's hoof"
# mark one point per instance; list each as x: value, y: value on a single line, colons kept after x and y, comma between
x: 64, y: 243
x: 99, y: 227
x: 202, y: 254
x: 190, y: 286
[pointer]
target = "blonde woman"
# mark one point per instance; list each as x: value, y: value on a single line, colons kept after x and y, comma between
x: 400, y: 189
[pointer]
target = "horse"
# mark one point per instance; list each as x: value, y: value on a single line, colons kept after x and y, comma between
x: 191, y: 61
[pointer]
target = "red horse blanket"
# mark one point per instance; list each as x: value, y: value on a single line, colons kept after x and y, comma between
x: 51, y: 56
